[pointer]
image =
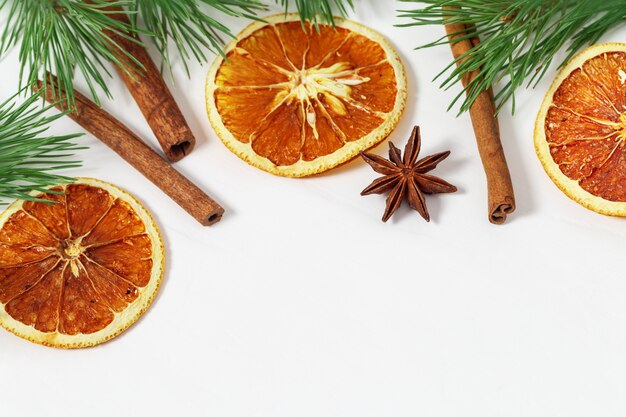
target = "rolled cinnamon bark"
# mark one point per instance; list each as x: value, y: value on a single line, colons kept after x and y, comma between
x: 501, y: 198
x: 130, y: 147
x: 153, y: 97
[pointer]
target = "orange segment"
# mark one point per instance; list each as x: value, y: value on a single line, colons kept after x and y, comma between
x: 21, y: 278
x: 380, y: 92
x: 86, y: 206
x: 265, y: 45
x: 608, y: 182
x: 607, y: 71
x: 115, y: 291
x: 119, y: 222
x: 239, y: 105
x: 281, y: 146
x: 580, y: 134
x: 130, y: 258
x: 566, y: 127
x: 582, y: 158
x: 359, y: 51
x: 581, y: 95
x: 21, y: 229
x: 296, y: 42
x: 81, y: 310
x: 81, y: 271
x: 52, y: 216
x: 353, y: 120
x: 322, y: 140
x: 244, y: 70
x: 578, y: 138
x: 16, y: 255
x: 325, y: 42
x: 39, y: 305
x: 294, y: 100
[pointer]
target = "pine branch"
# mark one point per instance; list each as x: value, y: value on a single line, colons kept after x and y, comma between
x: 28, y: 157
x: 59, y: 36
x: 519, y: 38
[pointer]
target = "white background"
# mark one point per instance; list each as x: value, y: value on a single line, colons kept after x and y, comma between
x: 301, y: 302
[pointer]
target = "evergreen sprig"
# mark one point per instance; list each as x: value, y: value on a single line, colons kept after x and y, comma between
x: 27, y: 155
x: 519, y: 38
x: 61, y: 36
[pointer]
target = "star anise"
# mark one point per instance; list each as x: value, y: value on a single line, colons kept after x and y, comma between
x: 404, y: 177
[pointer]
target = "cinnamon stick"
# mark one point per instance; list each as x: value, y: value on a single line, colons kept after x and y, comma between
x: 130, y: 147
x: 153, y: 96
x: 501, y: 198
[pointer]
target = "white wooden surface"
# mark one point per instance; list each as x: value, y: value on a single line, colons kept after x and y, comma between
x: 302, y: 303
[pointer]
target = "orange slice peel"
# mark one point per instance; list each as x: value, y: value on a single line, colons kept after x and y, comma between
x: 580, y: 133
x: 295, y: 101
x: 81, y: 271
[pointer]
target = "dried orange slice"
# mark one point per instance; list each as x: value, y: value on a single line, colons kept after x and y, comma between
x: 295, y: 101
x: 79, y: 272
x: 580, y: 135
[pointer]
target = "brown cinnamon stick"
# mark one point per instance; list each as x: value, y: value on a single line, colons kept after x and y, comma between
x: 153, y: 96
x: 130, y: 147
x: 501, y: 198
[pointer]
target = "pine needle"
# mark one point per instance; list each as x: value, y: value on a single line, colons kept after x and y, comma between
x: 319, y: 11
x: 27, y: 155
x: 519, y: 38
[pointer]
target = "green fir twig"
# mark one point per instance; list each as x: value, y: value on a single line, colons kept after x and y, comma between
x: 61, y: 36
x: 519, y: 38
x: 28, y: 156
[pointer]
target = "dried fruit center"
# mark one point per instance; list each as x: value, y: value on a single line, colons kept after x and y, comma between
x: 333, y: 82
x: 72, y: 249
